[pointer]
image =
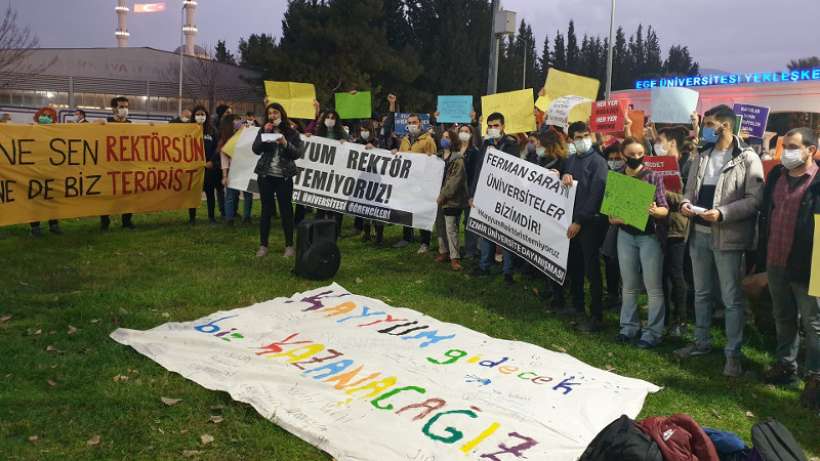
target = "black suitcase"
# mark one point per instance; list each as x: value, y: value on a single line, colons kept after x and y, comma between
x: 317, y: 255
x: 773, y: 442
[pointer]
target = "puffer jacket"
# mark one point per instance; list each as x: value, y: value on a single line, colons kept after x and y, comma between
x: 738, y: 195
x: 423, y: 144
x: 454, y: 187
x: 285, y: 155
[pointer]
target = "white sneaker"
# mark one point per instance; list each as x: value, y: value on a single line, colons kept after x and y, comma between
x: 423, y: 249
x: 262, y: 252
x: 289, y: 252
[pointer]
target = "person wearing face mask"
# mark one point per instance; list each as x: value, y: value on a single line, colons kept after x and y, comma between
x: 329, y: 126
x: 79, y: 116
x: 367, y: 136
x: 726, y: 185
x: 45, y: 116
x: 495, y: 138
x: 609, y: 249
x: 275, y: 169
x: 184, y: 117
x: 452, y: 200
x: 791, y: 199
x: 673, y: 142
x: 588, y: 228
x: 640, y: 256
x: 230, y: 126
x: 418, y: 142
x: 212, y: 186
x: 469, y: 152
x: 119, y: 106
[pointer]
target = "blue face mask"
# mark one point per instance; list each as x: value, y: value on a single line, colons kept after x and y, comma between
x: 44, y: 120
x: 709, y: 135
x: 445, y: 143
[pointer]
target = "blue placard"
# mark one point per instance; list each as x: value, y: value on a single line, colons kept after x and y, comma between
x: 755, y: 119
x: 400, y: 127
x: 455, y: 109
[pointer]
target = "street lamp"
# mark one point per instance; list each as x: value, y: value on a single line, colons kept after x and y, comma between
x: 610, y: 51
x: 503, y: 24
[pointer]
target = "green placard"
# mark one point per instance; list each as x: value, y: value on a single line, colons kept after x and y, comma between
x: 628, y: 199
x: 352, y: 106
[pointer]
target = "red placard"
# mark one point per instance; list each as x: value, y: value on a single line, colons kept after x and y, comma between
x: 607, y: 117
x: 667, y: 167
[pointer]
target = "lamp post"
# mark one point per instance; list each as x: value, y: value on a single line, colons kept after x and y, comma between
x: 610, y: 51
x: 181, y: 47
x: 503, y: 23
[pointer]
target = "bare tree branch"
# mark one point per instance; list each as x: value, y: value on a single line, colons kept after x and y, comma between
x: 16, y: 45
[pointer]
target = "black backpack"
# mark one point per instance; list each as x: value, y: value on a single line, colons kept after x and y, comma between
x: 622, y: 440
x: 773, y: 442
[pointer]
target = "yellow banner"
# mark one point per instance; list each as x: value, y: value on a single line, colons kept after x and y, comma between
x: 230, y: 146
x: 561, y: 83
x: 74, y: 170
x: 517, y: 107
x: 296, y: 98
x: 814, y: 281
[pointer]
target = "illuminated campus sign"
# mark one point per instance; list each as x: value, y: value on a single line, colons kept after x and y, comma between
x: 754, y: 78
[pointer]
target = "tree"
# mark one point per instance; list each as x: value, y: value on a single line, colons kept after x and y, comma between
x: 653, y: 64
x: 221, y: 54
x: 256, y: 51
x: 545, y: 61
x: 804, y: 63
x: 16, y: 45
x: 560, y: 54
x: 573, y: 53
x: 679, y: 62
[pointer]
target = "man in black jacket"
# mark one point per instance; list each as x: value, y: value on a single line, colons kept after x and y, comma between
x: 119, y: 106
x: 588, y: 228
x: 498, y: 139
x: 791, y: 198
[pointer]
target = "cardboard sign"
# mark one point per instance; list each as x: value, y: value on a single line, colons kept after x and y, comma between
x: 455, y: 109
x: 638, y: 119
x: 755, y: 119
x: 608, y: 117
x: 628, y: 199
x: 667, y: 167
x: 560, y: 83
x: 354, y: 106
x: 559, y: 111
x: 400, y: 122
x: 516, y: 106
x: 296, y: 98
x: 673, y: 105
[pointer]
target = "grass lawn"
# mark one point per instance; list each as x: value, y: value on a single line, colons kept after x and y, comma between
x: 66, y: 294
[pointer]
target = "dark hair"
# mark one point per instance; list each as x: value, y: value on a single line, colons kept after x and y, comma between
x: 724, y: 114
x: 496, y: 116
x: 711, y: 112
x: 225, y: 130
x: 577, y: 127
x: 206, y: 127
x: 457, y: 141
x: 338, y: 130
x: 612, y: 148
x: 678, y: 133
x: 221, y: 109
x: 116, y: 100
x: 553, y: 143
x: 285, y: 125
x: 629, y: 141
x: 250, y: 114
x: 80, y: 111
x: 808, y: 135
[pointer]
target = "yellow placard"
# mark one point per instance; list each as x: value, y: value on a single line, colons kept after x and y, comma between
x: 296, y: 98
x: 230, y: 146
x: 517, y: 108
x: 75, y: 170
x: 814, y: 281
x: 560, y: 83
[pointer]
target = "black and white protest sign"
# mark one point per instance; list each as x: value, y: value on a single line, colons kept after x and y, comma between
x: 369, y: 183
x: 525, y: 209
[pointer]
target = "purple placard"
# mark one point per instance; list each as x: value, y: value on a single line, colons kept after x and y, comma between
x: 755, y: 119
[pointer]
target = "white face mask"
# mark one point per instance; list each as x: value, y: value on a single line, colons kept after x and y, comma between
x: 464, y: 137
x: 792, y: 158
x: 660, y: 150
x: 365, y: 134
x: 615, y: 165
x: 571, y: 148
x: 493, y: 133
x: 330, y: 122
x: 122, y: 112
x: 200, y: 119
x: 582, y: 146
x: 185, y: 119
x: 347, y: 130
x: 276, y: 121
x: 413, y: 129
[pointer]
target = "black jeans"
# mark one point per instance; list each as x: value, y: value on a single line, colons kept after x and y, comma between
x: 585, y: 263
x: 51, y: 223
x: 214, y: 193
x: 425, y: 235
x: 674, y: 281
x: 613, y: 278
x: 106, y: 220
x: 273, y: 189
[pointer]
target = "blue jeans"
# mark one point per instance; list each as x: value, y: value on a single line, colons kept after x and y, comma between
x: 728, y: 266
x: 488, y: 255
x: 791, y: 305
x: 232, y: 202
x: 640, y: 258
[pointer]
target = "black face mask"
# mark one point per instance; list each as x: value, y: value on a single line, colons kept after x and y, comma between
x: 634, y: 163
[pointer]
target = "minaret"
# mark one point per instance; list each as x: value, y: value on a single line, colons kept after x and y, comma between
x: 189, y: 29
x: 122, y: 31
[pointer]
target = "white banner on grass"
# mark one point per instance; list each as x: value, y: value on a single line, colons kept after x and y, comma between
x: 524, y: 208
x: 241, y: 175
x: 363, y: 380
x: 369, y: 183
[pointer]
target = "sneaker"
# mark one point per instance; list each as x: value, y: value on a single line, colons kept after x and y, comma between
x: 211, y: 221
x: 401, y: 244
x: 781, y: 374
x: 442, y: 258
x: 499, y: 258
x: 36, y: 231
x: 644, y: 344
x: 590, y: 326
x: 262, y: 252
x: 456, y: 265
x: 732, y: 369
x: 289, y: 252
x: 423, y: 249
x: 508, y: 279
x: 679, y: 331
x: 623, y: 339
x: 692, y: 350
x: 55, y: 229
x: 810, y: 398
x: 479, y: 272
